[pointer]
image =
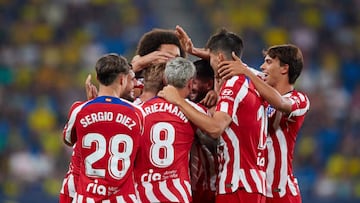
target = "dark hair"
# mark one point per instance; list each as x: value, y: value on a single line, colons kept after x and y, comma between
x: 152, y: 40
x: 204, y: 70
x: 109, y: 66
x: 226, y: 42
x: 288, y: 54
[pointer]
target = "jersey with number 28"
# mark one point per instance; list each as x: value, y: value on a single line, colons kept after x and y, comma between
x: 108, y: 130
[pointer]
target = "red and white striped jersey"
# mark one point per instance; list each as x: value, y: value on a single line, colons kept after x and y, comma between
x: 68, y: 187
x: 242, y: 144
x: 107, y: 131
x: 283, y: 129
x: 162, y: 165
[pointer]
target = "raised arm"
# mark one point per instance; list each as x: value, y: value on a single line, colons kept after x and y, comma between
x: 186, y: 42
x: 270, y: 94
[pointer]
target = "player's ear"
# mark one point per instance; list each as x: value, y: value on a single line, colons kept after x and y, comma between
x: 164, y: 81
x: 284, y: 69
x: 221, y: 57
x: 123, y: 79
x: 209, y: 85
x: 190, y: 83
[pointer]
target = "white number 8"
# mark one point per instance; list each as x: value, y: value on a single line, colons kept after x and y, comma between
x: 164, y: 144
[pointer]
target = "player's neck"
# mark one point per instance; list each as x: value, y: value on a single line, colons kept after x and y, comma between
x: 284, y: 88
x: 146, y: 95
x: 183, y: 92
x: 109, y: 91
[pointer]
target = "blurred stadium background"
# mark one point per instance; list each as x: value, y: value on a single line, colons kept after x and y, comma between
x: 48, y: 48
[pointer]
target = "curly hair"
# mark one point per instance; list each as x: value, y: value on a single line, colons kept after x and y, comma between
x: 152, y: 40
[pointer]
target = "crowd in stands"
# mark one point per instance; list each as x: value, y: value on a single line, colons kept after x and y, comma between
x: 48, y: 47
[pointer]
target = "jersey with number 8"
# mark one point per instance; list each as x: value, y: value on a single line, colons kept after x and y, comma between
x: 108, y: 132
x: 162, y: 165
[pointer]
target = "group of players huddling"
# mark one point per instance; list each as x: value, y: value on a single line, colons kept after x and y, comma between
x: 213, y: 130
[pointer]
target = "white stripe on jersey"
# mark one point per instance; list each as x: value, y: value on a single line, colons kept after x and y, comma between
x: 223, y: 171
x: 244, y: 181
x: 300, y: 111
x: 133, y: 198
x: 231, y: 81
x: 259, y: 181
x: 119, y: 199
x: 68, y: 186
x: 224, y: 106
x: 197, y: 107
x: 79, y: 198
x: 270, y: 167
x: 180, y: 189
x: 236, y: 165
x: 71, y: 122
x: 188, y: 186
x: 166, y: 192
x: 284, y: 164
x: 292, y: 187
x: 149, y: 192
x: 238, y: 99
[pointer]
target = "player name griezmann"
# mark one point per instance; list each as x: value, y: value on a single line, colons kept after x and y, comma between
x: 165, y: 107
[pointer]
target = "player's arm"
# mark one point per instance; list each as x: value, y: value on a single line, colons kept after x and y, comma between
x: 186, y: 42
x: 139, y: 63
x: 69, y: 131
x: 213, y: 126
x: 270, y: 94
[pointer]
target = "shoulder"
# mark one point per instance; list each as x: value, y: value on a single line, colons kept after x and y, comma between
x: 138, y: 102
x: 297, y: 96
x: 198, y: 107
x: 300, y: 102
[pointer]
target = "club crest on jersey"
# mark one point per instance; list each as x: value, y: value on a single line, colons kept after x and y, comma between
x: 270, y: 111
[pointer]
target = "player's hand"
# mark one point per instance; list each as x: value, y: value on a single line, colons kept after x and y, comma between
x: 170, y: 93
x: 227, y: 69
x: 155, y: 57
x: 185, y: 40
x: 210, y: 99
x: 91, y: 91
